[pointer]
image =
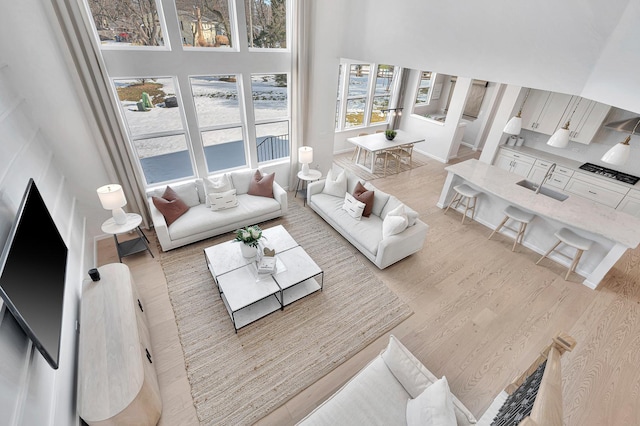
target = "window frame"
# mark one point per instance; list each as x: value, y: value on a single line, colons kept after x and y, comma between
x: 183, y: 62
x: 344, y: 71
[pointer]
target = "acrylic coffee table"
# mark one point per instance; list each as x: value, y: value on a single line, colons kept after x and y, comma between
x: 248, y: 295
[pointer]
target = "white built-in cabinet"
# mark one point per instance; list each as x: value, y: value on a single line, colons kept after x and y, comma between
x: 631, y: 203
x: 573, y: 182
x: 558, y: 179
x: 545, y: 112
x: 514, y: 162
x: 117, y: 382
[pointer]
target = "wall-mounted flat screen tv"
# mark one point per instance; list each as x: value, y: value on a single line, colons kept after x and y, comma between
x: 33, y: 268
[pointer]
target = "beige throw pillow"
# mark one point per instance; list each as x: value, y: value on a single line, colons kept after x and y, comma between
x: 354, y: 207
x: 223, y: 200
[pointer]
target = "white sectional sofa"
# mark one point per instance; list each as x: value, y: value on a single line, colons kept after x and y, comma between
x: 200, y: 222
x: 380, y: 392
x: 366, y: 234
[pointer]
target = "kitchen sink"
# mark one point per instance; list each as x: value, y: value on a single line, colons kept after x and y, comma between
x: 532, y: 186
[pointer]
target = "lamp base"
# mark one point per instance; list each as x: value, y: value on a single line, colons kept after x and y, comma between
x: 305, y: 169
x: 119, y: 216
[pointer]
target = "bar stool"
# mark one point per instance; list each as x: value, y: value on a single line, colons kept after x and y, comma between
x: 570, y: 238
x: 517, y: 215
x: 465, y: 191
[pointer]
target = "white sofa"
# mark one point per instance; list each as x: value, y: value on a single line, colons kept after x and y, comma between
x: 379, y: 393
x: 366, y: 234
x: 200, y: 222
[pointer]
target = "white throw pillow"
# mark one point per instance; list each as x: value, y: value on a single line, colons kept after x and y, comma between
x: 353, y: 206
x: 216, y: 184
x: 394, y: 222
x: 223, y: 200
x: 433, y: 407
x: 335, y: 185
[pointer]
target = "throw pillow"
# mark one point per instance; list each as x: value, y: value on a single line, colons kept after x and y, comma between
x: 365, y: 196
x: 216, y: 184
x: 170, y: 205
x: 353, y: 207
x: 434, y: 406
x: 262, y: 185
x: 335, y: 184
x: 223, y: 200
x: 394, y: 222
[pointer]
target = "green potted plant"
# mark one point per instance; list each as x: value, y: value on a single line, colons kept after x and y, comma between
x: 390, y: 134
x: 249, y: 237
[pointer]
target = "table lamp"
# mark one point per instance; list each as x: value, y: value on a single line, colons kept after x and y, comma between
x: 305, y: 156
x: 112, y: 198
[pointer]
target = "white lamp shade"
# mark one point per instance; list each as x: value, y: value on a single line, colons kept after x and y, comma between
x: 560, y: 139
x: 305, y: 155
x: 112, y: 196
x: 514, y: 126
x: 618, y: 154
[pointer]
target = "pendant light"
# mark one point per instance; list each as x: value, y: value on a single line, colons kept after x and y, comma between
x: 619, y: 153
x: 560, y: 139
x: 514, y: 126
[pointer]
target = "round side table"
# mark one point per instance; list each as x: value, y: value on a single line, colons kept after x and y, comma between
x: 132, y: 246
x: 303, y: 180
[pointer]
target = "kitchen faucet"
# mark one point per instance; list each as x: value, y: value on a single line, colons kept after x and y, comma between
x: 546, y: 176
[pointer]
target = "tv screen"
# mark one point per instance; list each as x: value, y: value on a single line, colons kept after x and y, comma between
x: 32, y: 274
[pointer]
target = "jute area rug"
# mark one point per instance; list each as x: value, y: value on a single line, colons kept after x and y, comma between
x: 239, y: 378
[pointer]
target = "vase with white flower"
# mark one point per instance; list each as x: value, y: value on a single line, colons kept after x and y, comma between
x: 250, y: 238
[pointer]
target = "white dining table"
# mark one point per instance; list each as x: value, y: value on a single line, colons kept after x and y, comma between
x: 377, y: 142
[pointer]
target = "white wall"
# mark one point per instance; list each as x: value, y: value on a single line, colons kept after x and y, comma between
x: 44, y: 135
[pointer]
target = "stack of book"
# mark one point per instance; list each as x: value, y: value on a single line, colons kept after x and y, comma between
x: 267, y: 265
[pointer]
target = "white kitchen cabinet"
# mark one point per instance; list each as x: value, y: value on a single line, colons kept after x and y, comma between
x: 631, y: 203
x: 543, y: 111
x: 514, y: 162
x: 595, y: 189
x: 556, y: 180
x: 586, y: 120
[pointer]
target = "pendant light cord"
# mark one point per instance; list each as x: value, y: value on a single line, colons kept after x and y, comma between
x: 524, y: 102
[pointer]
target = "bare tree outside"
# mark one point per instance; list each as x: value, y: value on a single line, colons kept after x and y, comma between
x: 204, y: 23
x: 266, y: 23
x: 134, y: 22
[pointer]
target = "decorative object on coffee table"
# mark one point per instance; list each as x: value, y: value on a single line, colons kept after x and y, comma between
x: 390, y: 134
x: 249, y: 236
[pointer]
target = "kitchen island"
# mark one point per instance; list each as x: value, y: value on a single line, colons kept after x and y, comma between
x: 612, y: 231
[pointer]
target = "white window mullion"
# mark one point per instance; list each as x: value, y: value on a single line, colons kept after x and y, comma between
x: 246, y: 106
x: 368, y: 106
x: 191, y: 125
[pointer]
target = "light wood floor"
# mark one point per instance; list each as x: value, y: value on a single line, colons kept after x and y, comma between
x: 482, y: 313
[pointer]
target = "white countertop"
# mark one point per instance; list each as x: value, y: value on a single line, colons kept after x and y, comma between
x: 575, y: 211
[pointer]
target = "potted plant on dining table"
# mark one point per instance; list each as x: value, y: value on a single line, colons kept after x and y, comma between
x: 390, y: 134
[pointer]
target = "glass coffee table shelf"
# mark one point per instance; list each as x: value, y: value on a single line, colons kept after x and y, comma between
x: 249, y: 295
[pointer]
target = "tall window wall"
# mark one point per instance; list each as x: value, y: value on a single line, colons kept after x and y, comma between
x: 365, y: 92
x: 202, y: 85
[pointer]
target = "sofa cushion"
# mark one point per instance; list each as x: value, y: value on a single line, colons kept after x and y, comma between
x: 352, y: 181
x: 241, y: 180
x: 380, y: 199
x: 216, y: 184
x: 372, y: 397
x: 170, y: 205
x: 365, y: 196
x: 366, y: 232
x: 393, y: 202
x: 261, y: 185
x: 201, y: 219
x: 415, y: 377
x: 352, y: 206
x: 335, y: 184
x: 186, y: 191
x: 223, y: 200
x: 434, y: 406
